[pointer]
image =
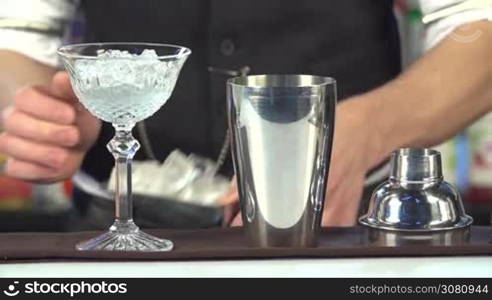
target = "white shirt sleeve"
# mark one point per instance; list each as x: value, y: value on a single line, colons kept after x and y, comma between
x: 39, y: 46
x: 441, y: 28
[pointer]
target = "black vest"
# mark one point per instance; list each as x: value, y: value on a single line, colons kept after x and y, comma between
x: 354, y: 41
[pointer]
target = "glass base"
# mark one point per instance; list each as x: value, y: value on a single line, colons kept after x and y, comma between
x: 126, y: 237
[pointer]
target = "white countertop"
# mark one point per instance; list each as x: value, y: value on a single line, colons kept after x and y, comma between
x: 463, y: 266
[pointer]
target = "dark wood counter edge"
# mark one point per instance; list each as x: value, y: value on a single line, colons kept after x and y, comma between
x: 61, y: 260
x: 350, y: 248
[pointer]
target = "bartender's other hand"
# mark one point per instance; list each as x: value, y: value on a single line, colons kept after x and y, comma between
x: 230, y: 202
x: 356, y: 149
x: 46, y: 132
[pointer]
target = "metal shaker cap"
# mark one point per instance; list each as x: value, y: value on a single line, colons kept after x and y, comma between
x: 416, y: 198
x: 416, y: 165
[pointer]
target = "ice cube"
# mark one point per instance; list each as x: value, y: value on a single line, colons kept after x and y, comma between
x: 205, y: 190
x: 149, y: 53
x: 144, y: 177
x: 179, y: 168
x: 205, y: 165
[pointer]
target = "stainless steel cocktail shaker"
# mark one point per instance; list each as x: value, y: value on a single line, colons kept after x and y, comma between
x: 282, y: 129
x: 416, y: 198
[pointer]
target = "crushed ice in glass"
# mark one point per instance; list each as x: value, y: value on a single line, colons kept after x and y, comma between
x: 122, y: 87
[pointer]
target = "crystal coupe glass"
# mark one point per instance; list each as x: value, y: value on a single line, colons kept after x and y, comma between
x: 123, y: 83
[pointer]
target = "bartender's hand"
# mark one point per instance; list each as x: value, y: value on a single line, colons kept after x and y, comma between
x: 46, y: 132
x: 357, y: 148
x: 230, y: 203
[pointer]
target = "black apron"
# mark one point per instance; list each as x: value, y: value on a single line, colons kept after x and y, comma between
x: 354, y: 41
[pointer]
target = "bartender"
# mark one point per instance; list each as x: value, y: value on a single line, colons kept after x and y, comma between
x: 48, y: 137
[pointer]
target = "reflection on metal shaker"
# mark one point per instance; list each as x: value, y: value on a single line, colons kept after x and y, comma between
x: 282, y: 129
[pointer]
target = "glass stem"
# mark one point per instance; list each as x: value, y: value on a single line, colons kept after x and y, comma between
x: 123, y: 146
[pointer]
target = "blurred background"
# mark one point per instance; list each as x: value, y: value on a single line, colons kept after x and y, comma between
x: 467, y: 158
